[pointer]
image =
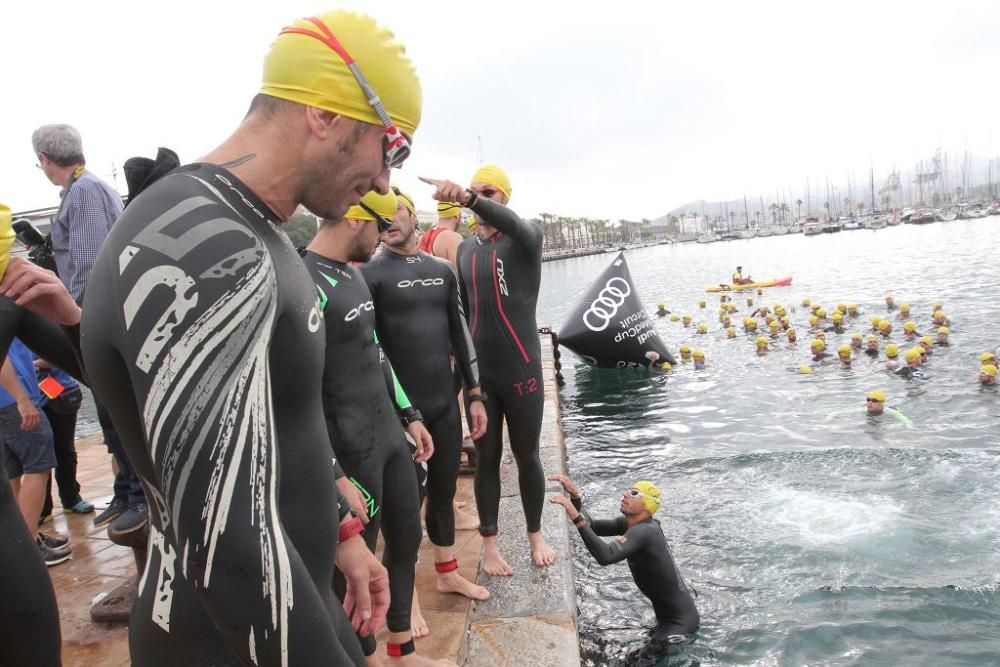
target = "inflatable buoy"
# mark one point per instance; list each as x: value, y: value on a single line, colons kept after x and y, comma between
x: 610, y: 328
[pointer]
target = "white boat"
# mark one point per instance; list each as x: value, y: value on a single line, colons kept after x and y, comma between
x: 812, y: 226
x: 707, y: 237
x: 875, y: 222
x: 746, y: 233
x: 947, y: 216
x: 854, y: 223
x: 832, y: 227
x: 922, y: 216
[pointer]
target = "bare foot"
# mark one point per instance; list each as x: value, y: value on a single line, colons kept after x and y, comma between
x: 459, y: 504
x: 418, y: 626
x: 541, y: 553
x: 465, y: 520
x: 372, y: 661
x: 493, y: 562
x: 453, y: 582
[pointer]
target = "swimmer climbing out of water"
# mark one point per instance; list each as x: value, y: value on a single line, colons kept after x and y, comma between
x: 642, y: 544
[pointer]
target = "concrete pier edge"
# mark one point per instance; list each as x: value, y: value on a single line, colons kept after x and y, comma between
x: 530, y: 618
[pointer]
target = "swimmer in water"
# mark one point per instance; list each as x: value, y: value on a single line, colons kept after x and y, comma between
x: 912, y: 367
x: 875, y: 407
x: 792, y: 337
x: 942, y: 337
x: 910, y: 330
x: 685, y: 353
x: 875, y: 321
x: 885, y: 328
x: 927, y: 343
x: 821, y: 314
x: 857, y: 342
x: 987, y: 375
x: 818, y: 348
x: 701, y: 304
x: 987, y: 358
x: 892, y: 356
x: 852, y: 309
x: 904, y: 311
x: 699, y: 359
x: 726, y: 322
x: 890, y: 303
x: 731, y: 332
x: 750, y: 302
x: 837, y: 318
x: 761, y: 346
x: 661, y: 310
x: 775, y: 328
x: 642, y: 545
x: 702, y: 328
x: 844, y: 354
x: 686, y: 321
x: 871, y: 346
x: 941, y: 319
x: 806, y: 303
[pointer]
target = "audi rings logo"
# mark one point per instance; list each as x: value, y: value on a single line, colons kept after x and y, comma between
x: 605, y: 306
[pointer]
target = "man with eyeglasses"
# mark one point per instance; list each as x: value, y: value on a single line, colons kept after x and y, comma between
x: 202, y: 330
x: 641, y: 543
x: 367, y: 408
x: 500, y: 271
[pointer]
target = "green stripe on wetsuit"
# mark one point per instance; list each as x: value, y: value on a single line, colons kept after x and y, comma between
x: 399, y: 396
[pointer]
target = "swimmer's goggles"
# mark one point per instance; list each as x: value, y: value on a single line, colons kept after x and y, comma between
x: 395, y: 146
x: 383, y: 224
x: 636, y: 493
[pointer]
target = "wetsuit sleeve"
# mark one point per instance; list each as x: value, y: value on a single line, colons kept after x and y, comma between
x: 461, y: 341
x: 615, y: 551
x: 604, y: 527
x: 400, y: 400
x: 526, y: 234
x: 56, y: 344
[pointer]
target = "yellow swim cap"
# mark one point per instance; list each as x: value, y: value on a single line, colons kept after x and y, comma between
x: 405, y: 199
x: 790, y: 333
x: 701, y: 303
x: 844, y: 349
x: 813, y: 320
x: 936, y: 306
x: 987, y: 356
x: 938, y: 314
x: 650, y: 495
x: 6, y: 237
x: 817, y: 344
x: 912, y: 354
x: 852, y: 307
x: 449, y: 209
x: 666, y: 366
x: 821, y: 313
x: 687, y: 318
x: 702, y: 328
x: 685, y: 348
x: 841, y: 307
x: 761, y: 341
x: 698, y: 354
x: 884, y: 324
x: 910, y: 326
x: 304, y: 66
x: 774, y: 325
x: 877, y: 395
x: 384, y: 205
x: 875, y: 320
x: 892, y: 350
x: 904, y: 307
x: 989, y: 369
x: 495, y: 176
x: 837, y: 316
x: 673, y: 317
x: 731, y: 332
x: 805, y: 369
x: 943, y: 330
x: 856, y: 336
x: 927, y: 340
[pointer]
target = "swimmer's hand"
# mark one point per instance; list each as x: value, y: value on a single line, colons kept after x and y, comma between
x: 477, y: 420
x: 40, y: 291
x: 568, y: 485
x: 567, y: 504
x: 367, y: 599
x: 422, y: 440
x: 352, y: 494
x: 447, y: 190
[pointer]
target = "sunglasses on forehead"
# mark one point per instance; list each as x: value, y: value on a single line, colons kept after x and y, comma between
x: 395, y: 146
x: 383, y: 224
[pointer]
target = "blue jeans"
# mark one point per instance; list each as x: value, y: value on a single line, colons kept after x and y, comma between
x: 127, y: 484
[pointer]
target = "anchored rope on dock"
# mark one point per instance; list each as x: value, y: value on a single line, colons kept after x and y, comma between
x: 555, y: 353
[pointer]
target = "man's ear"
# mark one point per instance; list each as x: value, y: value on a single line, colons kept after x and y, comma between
x: 322, y: 123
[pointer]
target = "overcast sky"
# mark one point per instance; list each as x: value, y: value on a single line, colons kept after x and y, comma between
x: 600, y: 109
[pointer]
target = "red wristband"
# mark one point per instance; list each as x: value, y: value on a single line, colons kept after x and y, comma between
x: 350, y: 529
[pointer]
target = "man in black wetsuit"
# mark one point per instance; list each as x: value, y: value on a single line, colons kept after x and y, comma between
x: 500, y: 271
x: 205, y: 339
x: 642, y: 544
x: 421, y: 322
x: 363, y: 414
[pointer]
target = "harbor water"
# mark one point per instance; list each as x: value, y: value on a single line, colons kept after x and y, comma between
x: 814, y: 534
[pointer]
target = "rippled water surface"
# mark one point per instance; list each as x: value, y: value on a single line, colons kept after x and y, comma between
x: 814, y: 534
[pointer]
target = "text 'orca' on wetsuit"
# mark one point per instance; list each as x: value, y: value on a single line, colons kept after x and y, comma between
x: 203, y: 332
x: 419, y: 315
x: 645, y: 549
x: 500, y: 277
x: 364, y: 429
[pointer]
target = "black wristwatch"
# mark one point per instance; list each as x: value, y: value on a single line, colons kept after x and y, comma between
x: 410, y: 416
x: 477, y: 397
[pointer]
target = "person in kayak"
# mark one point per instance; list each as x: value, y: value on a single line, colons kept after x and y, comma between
x: 738, y: 278
x: 642, y: 545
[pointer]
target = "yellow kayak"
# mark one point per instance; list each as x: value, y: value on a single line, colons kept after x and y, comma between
x: 776, y: 282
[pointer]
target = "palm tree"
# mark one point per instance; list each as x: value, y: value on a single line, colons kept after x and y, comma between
x: 784, y: 210
x: 798, y: 213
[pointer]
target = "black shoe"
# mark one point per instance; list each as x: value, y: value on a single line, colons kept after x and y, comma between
x: 56, y: 542
x: 115, y: 507
x: 53, y: 556
x: 129, y: 521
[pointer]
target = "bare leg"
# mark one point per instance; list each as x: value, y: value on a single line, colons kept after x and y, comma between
x: 541, y: 553
x: 493, y: 562
x: 418, y: 625
x: 454, y: 582
x: 30, y: 489
x: 413, y: 659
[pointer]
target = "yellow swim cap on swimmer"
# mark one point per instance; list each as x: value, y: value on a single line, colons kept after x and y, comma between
x: 698, y: 354
x: 761, y: 341
x: 987, y: 356
x: 805, y: 369
x: 844, y: 349
x: 904, y: 308
x: 666, y: 366
x: 701, y: 303
x: 813, y: 320
x: 806, y: 302
x: 936, y: 306
x: 884, y: 324
x: 790, y: 333
x: 650, y: 495
x: 821, y: 313
x: 892, y: 350
x: 495, y: 176
x: 731, y: 332
x: 877, y: 395
x: 912, y: 354
x: 856, y: 336
x: 673, y: 317
x: 943, y: 330
x: 852, y: 308
x: 384, y: 205
x: 685, y: 348
x: 702, y: 328
x: 910, y: 326
x: 661, y: 306
x: 837, y: 316
x: 6, y: 237
x: 841, y: 307
x: 817, y: 344
x: 774, y: 325
x: 406, y: 200
x: 302, y: 66
x: 687, y: 318
x: 938, y: 314
x: 927, y: 340
x: 989, y: 369
x: 449, y: 209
